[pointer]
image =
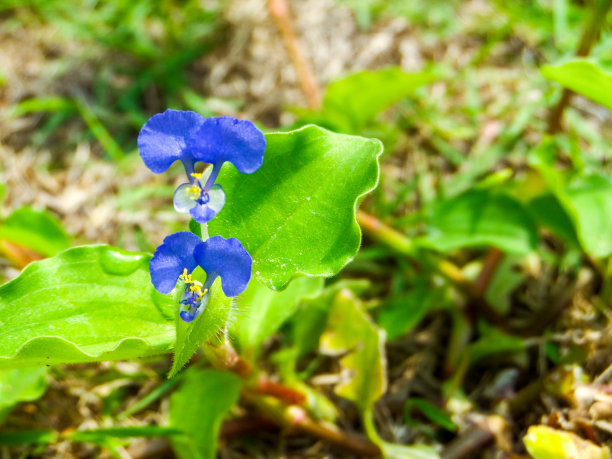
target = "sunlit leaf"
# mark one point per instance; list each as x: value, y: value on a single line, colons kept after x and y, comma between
x: 35, y: 229
x: 20, y: 385
x: 86, y: 304
x: 583, y: 77
x: 590, y: 204
x: 543, y: 442
x: 351, y: 102
x: 350, y: 330
x: 296, y: 214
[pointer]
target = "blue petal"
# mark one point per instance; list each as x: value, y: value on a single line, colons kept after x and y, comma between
x: 228, y: 139
x: 172, y: 258
x: 226, y: 258
x: 203, y: 213
x: 163, y: 139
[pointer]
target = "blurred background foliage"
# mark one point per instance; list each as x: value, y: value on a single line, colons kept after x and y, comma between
x: 475, y: 318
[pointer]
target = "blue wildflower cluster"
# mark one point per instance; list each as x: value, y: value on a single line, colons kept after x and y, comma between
x: 190, y: 138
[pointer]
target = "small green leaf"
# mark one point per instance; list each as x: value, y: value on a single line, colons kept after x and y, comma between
x: 482, y: 218
x: 353, y: 101
x: 35, y: 229
x: 261, y: 311
x: 198, y: 407
x: 549, y: 213
x: 399, y: 315
x: 308, y: 324
x: 208, y: 326
x: 101, y: 436
x: 20, y: 385
x: 350, y: 330
x: 86, y: 304
x: 589, y: 202
x: 583, y: 77
x: 431, y: 411
x: 296, y: 214
x: 543, y: 442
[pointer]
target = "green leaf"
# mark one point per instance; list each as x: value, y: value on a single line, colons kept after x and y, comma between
x: 549, y: 213
x: 350, y: 330
x: 101, y: 436
x: 589, y: 202
x: 431, y: 411
x: 20, y: 385
x: 262, y: 311
x: 583, y: 77
x: 198, y: 407
x: 399, y: 315
x: 208, y: 326
x: 482, y: 218
x: 353, y: 101
x: 86, y: 304
x: 35, y: 229
x: 296, y: 214
x: 543, y: 442
x: 308, y: 324
x: 28, y: 437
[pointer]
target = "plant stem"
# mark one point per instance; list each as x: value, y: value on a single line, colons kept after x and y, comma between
x: 279, y: 10
x: 296, y: 419
x: 589, y: 37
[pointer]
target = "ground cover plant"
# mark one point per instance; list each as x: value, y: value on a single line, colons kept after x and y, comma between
x: 305, y: 229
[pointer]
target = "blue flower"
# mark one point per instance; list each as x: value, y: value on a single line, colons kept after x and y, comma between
x: 189, y: 137
x: 179, y: 255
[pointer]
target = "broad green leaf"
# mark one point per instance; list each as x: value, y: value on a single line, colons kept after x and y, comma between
x: 35, y: 229
x: 589, y: 202
x: 198, y: 407
x: 20, y: 385
x: 206, y: 327
x: 482, y: 218
x: 261, y: 311
x: 350, y: 330
x: 543, y: 442
x: 351, y: 102
x: 296, y: 214
x: 86, y: 304
x: 583, y: 77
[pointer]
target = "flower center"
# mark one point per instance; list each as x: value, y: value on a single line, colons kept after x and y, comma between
x: 196, y: 192
x: 192, y: 298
